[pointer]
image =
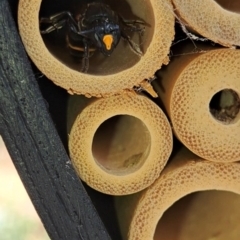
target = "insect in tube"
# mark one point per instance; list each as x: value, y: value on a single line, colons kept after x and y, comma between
x: 96, y: 27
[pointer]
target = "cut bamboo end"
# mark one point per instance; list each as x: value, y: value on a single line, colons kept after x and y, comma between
x: 107, y: 75
x: 146, y: 215
x: 216, y: 20
x: 119, y: 145
x: 201, y: 95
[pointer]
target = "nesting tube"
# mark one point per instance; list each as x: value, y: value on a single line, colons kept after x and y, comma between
x: 192, y: 199
x: 200, y: 92
x: 216, y: 20
x: 118, y: 145
x: 106, y: 75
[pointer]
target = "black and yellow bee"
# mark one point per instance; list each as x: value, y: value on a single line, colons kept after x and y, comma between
x: 96, y: 27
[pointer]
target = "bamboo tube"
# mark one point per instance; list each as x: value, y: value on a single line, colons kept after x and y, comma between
x: 107, y: 75
x: 118, y: 145
x: 189, y: 88
x: 156, y: 213
x: 216, y: 20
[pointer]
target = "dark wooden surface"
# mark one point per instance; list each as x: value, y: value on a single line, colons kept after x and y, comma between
x: 35, y: 147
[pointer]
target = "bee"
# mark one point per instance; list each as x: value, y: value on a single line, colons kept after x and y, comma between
x: 95, y: 27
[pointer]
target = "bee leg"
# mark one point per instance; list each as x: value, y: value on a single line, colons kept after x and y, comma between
x: 57, y: 21
x: 127, y: 21
x: 133, y: 25
x: 53, y: 27
x: 85, y: 59
x: 133, y: 21
x: 134, y: 47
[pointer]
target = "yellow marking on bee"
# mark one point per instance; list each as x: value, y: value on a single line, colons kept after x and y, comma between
x: 108, y: 40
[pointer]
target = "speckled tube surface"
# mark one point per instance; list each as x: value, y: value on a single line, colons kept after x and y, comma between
x: 118, y: 145
x: 203, y: 215
x: 216, y: 20
x: 187, y: 86
x: 107, y: 76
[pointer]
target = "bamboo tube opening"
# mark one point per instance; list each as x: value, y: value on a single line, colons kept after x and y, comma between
x: 201, y: 215
x: 216, y: 20
x: 122, y: 57
x: 121, y: 144
x: 225, y: 105
x: 118, y: 145
x: 191, y: 82
x: 233, y: 5
x: 192, y: 199
x: 107, y: 76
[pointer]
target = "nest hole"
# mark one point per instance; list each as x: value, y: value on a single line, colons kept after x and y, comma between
x: 232, y: 6
x: 201, y: 215
x: 225, y: 105
x: 122, y: 57
x: 121, y: 144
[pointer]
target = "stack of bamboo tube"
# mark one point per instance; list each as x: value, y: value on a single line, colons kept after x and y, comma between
x: 120, y: 143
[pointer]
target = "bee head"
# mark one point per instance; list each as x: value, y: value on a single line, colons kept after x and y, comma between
x: 107, y: 38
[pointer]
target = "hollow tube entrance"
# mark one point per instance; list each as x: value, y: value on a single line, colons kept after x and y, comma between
x: 122, y: 56
x: 232, y: 5
x: 206, y: 215
x: 225, y: 106
x: 121, y: 144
